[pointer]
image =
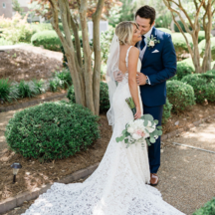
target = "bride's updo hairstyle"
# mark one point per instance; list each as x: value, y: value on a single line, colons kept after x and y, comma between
x: 124, y: 31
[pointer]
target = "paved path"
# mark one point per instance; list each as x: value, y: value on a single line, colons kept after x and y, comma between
x: 186, y: 174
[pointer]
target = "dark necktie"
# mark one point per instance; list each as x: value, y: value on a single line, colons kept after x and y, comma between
x: 142, y: 43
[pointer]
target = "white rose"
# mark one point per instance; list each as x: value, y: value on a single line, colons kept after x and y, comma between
x: 152, y: 43
x: 130, y: 130
x: 156, y: 137
x: 150, y: 129
x: 136, y: 136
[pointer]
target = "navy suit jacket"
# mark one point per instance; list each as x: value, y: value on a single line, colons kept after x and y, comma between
x: 159, y: 67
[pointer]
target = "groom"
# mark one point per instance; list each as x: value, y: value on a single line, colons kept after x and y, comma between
x: 158, y: 65
x: 158, y: 59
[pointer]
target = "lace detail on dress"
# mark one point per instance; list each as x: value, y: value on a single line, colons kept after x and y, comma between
x: 119, y: 184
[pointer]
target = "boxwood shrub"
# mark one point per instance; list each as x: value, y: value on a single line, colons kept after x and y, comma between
x: 52, y: 130
x: 207, y: 209
x: 48, y: 39
x: 202, y: 47
x: 104, y: 97
x: 180, y: 95
x: 180, y: 43
x: 185, y: 67
x: 166, y: 111
x: 203, y: 85
x: 166, y: 30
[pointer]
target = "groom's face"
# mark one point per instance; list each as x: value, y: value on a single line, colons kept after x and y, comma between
x: 144, y: 24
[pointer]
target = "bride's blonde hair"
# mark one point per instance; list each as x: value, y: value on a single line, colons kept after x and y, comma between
x: 124, y: 31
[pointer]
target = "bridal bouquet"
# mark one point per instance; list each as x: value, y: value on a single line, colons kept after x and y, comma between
x: 140, y: 130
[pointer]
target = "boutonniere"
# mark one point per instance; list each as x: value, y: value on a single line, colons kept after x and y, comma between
x: 151, y: 41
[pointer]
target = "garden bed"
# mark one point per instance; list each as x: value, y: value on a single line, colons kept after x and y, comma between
x: 34, y: 174
x: 28, y: 63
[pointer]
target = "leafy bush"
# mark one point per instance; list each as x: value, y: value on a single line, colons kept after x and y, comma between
x: 185, y: 67
x: 207, y: 209
x: 4, y: 42
x: 166, y: 111
x: 48, y: 39
x: 28, y: 89
x: 180, y: 95
x: 41, y: 27
x: 4, y: 90
x: 166, y: 30
x: 104, y: 96
x: 201, y: 36
x: 182, y: 27
x: 163, y: 19
x: 60, y: 80
x: 52, y: 130
x: 16, y: 29
x: 202, y: 47
x: 180, y: 43
x: 203, y: 85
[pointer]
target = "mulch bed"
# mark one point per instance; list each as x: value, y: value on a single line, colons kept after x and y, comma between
x: 18, y: 64
x: 34, y: 174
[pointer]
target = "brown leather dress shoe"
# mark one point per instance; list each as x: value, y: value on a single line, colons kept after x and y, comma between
x: 154, y: 179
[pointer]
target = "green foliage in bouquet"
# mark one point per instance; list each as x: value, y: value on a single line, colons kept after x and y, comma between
x: 207, y: 209
x: 104, y: 96
x: 166, y: 111
x: 48, y: 39
x: 203, y: 85
x: 53, y: 130
x: 148, y: 123
x: 180, y: 95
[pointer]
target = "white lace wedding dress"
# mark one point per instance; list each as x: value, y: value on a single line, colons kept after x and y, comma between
x: 119, y: 184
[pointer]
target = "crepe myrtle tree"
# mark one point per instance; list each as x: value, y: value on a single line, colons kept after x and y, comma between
x: 84, y: 68
x: 201, y: 16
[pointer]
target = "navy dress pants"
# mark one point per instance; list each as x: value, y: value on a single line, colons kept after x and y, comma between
x: 154, y: 149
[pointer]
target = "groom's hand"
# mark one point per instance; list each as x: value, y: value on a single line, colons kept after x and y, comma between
x: 118, y: 76
x: 141, y: 78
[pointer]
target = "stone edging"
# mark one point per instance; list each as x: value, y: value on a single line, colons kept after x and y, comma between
x: 30, y: 103
x: 18, y: 200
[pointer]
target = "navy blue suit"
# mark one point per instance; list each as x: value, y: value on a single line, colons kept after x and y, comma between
x: 159, y: 67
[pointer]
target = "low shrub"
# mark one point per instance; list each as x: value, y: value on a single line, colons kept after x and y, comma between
x: 180, y: 95
x: 207, y: 209
x: 28, y: 89
x: 180, y: 43
x: 201, y: 36
x: 52, y: 130
x: 202, y: 47
x: 60, y: 80
x: 185, y: 67
x: 4, y: 42
x: 166, y: 111
x: 166, y: 30
x: 48, y: 39
x: 203, y: 85
x: 182, y: 26
x: 104, y: 96
x: 4, y: 90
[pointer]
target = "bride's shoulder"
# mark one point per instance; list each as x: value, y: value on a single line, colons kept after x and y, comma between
x: 134, y: 51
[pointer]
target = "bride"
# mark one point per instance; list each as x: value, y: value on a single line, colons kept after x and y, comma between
x: 119, y: 186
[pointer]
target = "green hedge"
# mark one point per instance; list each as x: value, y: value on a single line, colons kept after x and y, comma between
x: 52, y: 130
x: 104, y: 96
x: 201, y: 36
x: 48, y: 39
x: 180, y: 95
x: 166, y: 30
x: 185, y: 67
x: 207, y: 209
x: 203, y: 85
x: 166, y: 111
x: 182, y: 26
x: 202, y: 47
x: 180, y: 43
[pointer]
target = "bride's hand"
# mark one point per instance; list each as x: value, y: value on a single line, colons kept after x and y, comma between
x: 137, y: 114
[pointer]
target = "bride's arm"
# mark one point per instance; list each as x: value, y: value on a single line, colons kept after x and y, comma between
x: 132, y: 72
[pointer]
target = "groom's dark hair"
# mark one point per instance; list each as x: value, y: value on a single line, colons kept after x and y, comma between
x: 146, y: 12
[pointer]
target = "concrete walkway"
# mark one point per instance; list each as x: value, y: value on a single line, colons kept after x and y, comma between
x: 187, y: 175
